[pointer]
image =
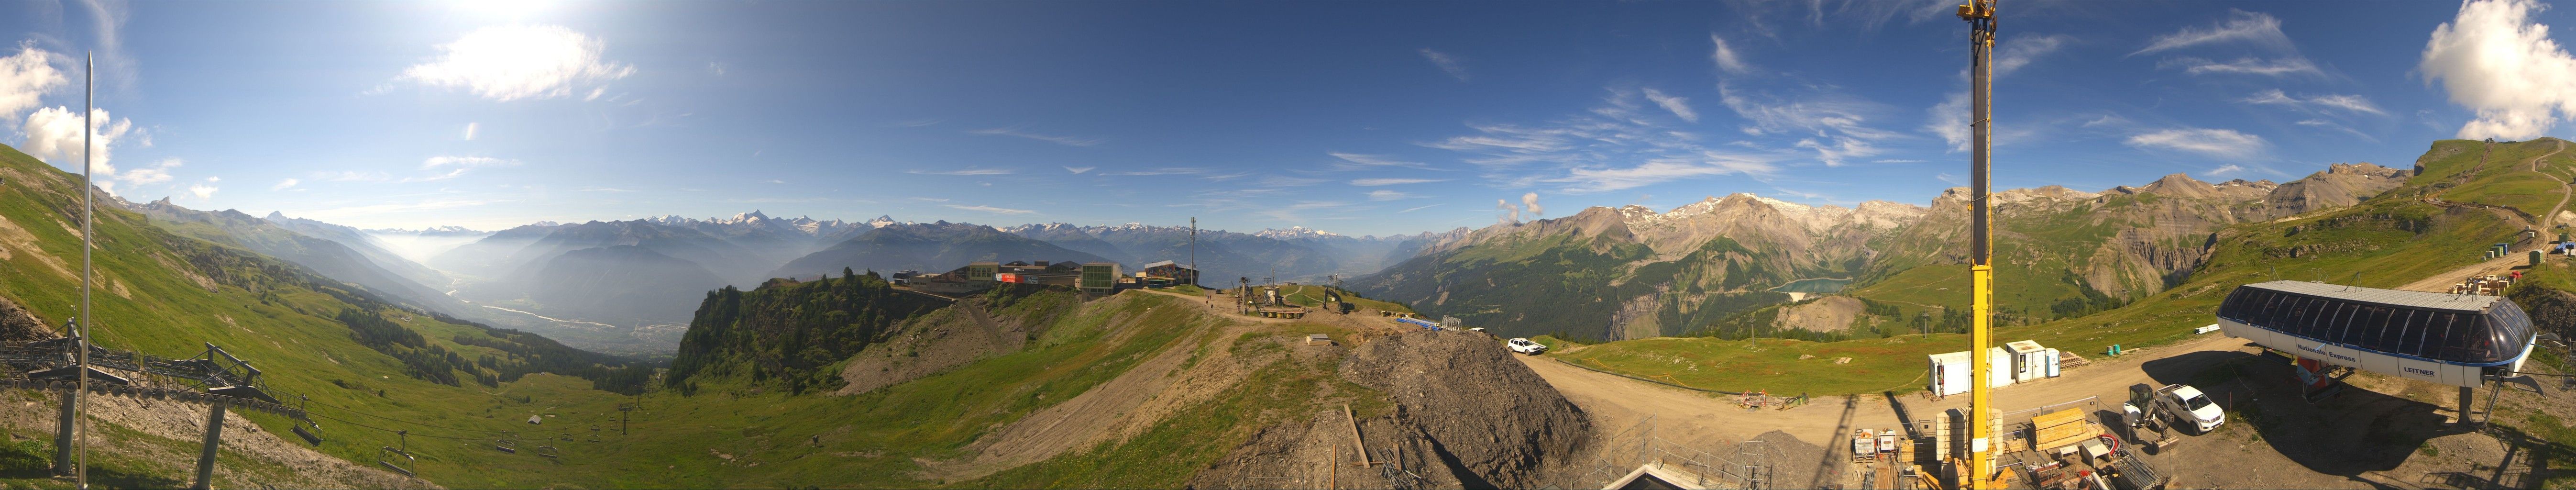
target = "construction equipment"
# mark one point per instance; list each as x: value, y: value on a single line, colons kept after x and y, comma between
x: 1980, y: 15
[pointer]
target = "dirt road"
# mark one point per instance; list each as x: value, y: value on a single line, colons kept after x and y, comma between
x: 1707, y: 421
x: 2442, y: 282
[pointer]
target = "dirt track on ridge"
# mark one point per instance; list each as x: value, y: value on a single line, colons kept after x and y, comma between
x: 1708, y: 421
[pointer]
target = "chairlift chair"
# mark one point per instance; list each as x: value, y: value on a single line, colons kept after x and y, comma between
x: 594, y: 433
x: 509, y: 443
x: 387, y: 455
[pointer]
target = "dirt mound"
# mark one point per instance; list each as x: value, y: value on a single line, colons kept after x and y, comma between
x: 17, y: 325
x: 1466, y: 415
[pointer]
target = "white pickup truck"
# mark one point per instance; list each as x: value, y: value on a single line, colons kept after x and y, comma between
x: 2184, y: 405
x: 1525, y: 346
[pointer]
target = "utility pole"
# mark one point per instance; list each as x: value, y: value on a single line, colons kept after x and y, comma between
x: 1210, y: 299
x: 1980, y: 15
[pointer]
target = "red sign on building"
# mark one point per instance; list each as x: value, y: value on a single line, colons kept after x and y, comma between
x: 1008, y: 277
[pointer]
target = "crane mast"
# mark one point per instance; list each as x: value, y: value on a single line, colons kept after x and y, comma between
x: 1980, y: 15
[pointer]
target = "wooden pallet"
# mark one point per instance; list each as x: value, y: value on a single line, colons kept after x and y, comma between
x: 2067, y: 359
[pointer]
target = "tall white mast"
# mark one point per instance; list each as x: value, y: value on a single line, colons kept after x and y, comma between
x: 89, y: 203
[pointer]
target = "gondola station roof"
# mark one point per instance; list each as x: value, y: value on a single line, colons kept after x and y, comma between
x: 2462, y: 329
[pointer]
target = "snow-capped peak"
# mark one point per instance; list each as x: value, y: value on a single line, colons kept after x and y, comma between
x: 1294, y: 232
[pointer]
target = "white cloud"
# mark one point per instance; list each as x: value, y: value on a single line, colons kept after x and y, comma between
x: 1506, y: 213
x: 1419, y: 208
x: 716, y: 68
x: 25, y: 78
x: 1835, y: 122
x: 2219, y: 143
x: 285, y: 184
x: 1387, y: 195
x: 1679, y: 106
x: 470, y: 129
x: 519, y: 62
x: 2244, y: 66
x: 466, y: 162
x: 54, y: 134
x: 1446, y: 63
x: 1530, y: 201
x: 1356, y: 161
x: 202, y: 191
x: 595, y: 92
x: 1725, y: 56
x: 1079, y: 169
x: 1950, y: 120
x: 155, y: 174
x: 2494, y: 59
x: 1662, y: 171
x: 1061, y: 140
x: 1618, y: 146
x: 2020, y: 51
x: 2321, y: 123
x: 2353, y: 103
x: 968, y: 171
x: 2225, y: 170
x: 2241, y: 26
x: 990, y: 209
x: 1392, y: 181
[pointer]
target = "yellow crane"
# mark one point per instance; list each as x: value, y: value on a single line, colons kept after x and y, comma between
x: 1980, y: 15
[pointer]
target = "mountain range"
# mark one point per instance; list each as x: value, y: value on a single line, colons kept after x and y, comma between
x: 1631, y: 272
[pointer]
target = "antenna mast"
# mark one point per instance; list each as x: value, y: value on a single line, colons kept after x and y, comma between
x: 89, y: 211
x: 1980, y: 15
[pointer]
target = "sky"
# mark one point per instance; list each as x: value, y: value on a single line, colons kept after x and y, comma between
x: 1358, y: 118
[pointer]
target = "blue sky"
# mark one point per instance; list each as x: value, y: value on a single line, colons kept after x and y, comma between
x: 1360, y: 118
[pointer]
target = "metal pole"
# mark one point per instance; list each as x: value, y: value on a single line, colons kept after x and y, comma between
x: 214, y: 439
x: 89, y: 203
x: 1981, y: 46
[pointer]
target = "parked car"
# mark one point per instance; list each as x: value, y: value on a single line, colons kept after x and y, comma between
x: 1525, y: 346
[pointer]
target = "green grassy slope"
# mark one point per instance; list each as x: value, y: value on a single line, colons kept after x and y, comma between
x: 166, y: 294
x: 2388, y: 241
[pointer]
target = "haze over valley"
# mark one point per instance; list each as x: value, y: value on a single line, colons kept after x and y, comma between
x: 868, y: 244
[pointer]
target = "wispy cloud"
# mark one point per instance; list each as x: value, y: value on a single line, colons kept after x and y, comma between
x: 285, y: 184
x: 1837, y: 123
x: 990, y: 209
x: 1163, y: 171
x: 466, y: 162
x: 1725, y: 57
x: 1375, y: 182
x: 2244, y: 66
x: 1419, y: 208
x: 1079, y: 170
x: 1679, y: 106
x: 966, y: 171
x: 1387, y: 195
x: 1357, y: 161
x: 2217, y: 143
x: 2241, y: 26
x: 1446, y: 63
x: 1612, y: 147
x: 1286, y: 181
x: 2353, y: 103
x: 1061, y: 140
x: 2321, y: 123
x: 2020, y: 51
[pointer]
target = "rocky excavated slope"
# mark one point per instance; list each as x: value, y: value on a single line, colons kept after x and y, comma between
x: 1466, y: 414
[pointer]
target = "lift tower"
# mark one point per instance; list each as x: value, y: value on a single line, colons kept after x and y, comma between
x: 1980, y: 15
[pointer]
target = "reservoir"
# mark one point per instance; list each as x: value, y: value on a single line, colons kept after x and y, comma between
x: 1815, y: 285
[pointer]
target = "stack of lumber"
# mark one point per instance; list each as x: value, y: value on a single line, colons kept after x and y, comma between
x: 2060, y: 428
